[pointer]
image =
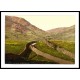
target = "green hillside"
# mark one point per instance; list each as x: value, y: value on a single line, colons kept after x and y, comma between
x: 67, y: 33
x: 19, y: 29
x: 19, y: 32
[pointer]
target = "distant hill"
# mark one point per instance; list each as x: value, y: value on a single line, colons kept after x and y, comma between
x: 19, y: 29
x: 63, y: 33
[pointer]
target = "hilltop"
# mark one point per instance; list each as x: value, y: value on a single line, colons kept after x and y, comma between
x: 63, y: 33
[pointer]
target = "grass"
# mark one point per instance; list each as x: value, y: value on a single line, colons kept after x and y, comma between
x: 14, y: 46
x: 70, y: 46
x: 44, y: 48
x: 17, y: 47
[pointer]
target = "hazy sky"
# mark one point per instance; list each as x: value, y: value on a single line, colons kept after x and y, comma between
x: 50, y: 22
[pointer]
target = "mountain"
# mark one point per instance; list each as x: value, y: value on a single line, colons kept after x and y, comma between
x: 63, y: 33
x: 17, y: 28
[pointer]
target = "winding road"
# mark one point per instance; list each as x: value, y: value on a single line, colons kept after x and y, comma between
x: 23, y: 56
x: 48, y: 56
x: 60, y: 49
x: 72, y: 55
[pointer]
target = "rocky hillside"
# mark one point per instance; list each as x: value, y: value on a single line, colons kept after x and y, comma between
x: 64, y: 33
x: 19, y: 29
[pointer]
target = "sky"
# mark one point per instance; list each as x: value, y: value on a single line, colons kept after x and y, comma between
x: 47, y: 22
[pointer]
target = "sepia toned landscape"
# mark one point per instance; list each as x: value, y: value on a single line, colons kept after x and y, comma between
x: 26, y: 43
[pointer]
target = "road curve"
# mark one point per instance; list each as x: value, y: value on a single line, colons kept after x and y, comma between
x: 72, y: 55
x: 60, y: 49
x: 50, y: 57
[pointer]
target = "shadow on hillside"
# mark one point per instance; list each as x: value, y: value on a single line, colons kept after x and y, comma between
x: 22, y: 58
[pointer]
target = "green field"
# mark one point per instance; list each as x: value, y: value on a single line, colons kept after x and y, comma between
x: 68, y: 45
x: 44, y: 48
x: 17, y: 47
x: 14, y: 46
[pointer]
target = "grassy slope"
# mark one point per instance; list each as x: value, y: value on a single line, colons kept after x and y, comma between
x: 44, y: 48
x: 70, y: 46
x: 64, y: 33
x: 18, y: 46
x: 14, y: 46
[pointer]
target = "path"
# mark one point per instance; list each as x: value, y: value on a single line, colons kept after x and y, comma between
x: 48, y: 56
x: 72, y: 55
x: 59, y: 49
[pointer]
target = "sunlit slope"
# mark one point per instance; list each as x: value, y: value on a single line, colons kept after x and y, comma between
x: 18, y: 47
x: 19, y: 29
x: 65, y: 33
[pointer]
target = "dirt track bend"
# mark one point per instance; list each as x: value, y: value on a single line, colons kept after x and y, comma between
x: 59, y: 49
x: 72, y: 55
x: 48, y: 56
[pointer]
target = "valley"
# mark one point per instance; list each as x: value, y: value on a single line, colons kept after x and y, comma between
x: 52, y: 47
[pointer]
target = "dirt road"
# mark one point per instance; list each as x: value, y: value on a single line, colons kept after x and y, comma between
x: 72, y: 55
x: 50, y: 57
x: 59, y: 49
